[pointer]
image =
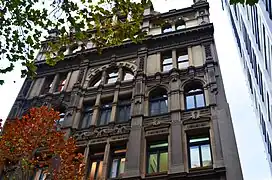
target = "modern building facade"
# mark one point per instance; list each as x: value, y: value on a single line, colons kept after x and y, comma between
x: 155, y: 110
x: 252, y: 28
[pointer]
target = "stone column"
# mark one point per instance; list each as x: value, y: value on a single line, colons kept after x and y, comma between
x: 96, y: 109
x: 106, y: 162
x: 176, y: 161
x: 133, y: 166
x: 190, y: 56
x: 174, y: 58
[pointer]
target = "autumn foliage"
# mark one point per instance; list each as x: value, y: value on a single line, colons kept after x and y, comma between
x: 34, y: 142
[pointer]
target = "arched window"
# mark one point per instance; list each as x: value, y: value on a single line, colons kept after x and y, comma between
x: 194, y: 96
x: 127, y: 75
x: 96, y: 81
x: 158, y: 101
x: 180, y: 24
x: 167, y: 28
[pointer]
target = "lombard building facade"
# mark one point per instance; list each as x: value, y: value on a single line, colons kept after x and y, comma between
x: 155, y: 110
x: 252, y: 28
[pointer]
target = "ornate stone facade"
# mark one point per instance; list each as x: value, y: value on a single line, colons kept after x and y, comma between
x: 98, y: 84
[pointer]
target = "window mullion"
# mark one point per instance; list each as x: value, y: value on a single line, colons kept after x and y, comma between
x: 200, y: 156
x: 158, y: 161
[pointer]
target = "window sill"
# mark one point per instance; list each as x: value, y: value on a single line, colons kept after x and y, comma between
x: 156, y: 174
x: 195, y: 109
x: 201, y: 168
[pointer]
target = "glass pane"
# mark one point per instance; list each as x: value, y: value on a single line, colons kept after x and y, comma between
x: 93, y: 168
x: 103, y: 117
x: 108, y: 116
x: 128, y: 76
x: 200, y: 100
x: 154, y: 107
x: 99, y: 171
x: 114, y: 166
x: 180, y: 27
x: 163, y: 161
x: 182, y: 58
x: 98, y: 82
x: 194, y: 157
x: 122, y: 166
x: 167, y: 30
x: 159, y: 145
x: 206, y: 155
x: 183, y: 65
x: 167, y: 60
x: 152, y: 164
x: 198, y: 139
x: 190, y: 103
x: 167, y: 67
x: 112, y: 80
x: 164, y: 108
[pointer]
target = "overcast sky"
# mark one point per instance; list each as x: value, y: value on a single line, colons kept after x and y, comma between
x: 250, y: 145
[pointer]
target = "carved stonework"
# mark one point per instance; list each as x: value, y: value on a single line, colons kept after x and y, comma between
x: 102, y: 132
x: 156, y: 132
x: 197, y: 125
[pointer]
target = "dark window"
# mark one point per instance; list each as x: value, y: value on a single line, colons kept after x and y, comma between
x: 260, y: 83
x: 118, y: 163
x: 47, y: 84
x: 268, y: 107
x: 194, y: 96
x: 167, y: 28
x: 167, y: 62
x: 182, y: 58
x: 105, y: 114
x: 157, y: 157
x: 158, y: 101
x: 96, y: 166
x: 61, y: 82
x: 200, y: 152
x: 180, y: 24
x: 264, y: 46
x: 249, y: 81
x: 87, y: 117
x: 26, y: 87
x: 254, y: 66
x: 123, y: 113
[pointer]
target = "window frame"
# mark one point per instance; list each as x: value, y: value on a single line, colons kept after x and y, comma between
x: 61, y: 82
x: 194, y: 94
x: 180, y: 51
x: 88, y: 111
x: 158, y: 100
x: 123, y: 104
x: 199, y: 144
x: 105, y: 107
x: 119, y: 156
x: 99, y: 159
x: 112, y: 77
x: 164, y: 57
x: 47, y: 85
x: 157, y: 151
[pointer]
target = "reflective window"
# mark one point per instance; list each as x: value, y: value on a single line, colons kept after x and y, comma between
x: 118, y: 163
x: 61, y: 82
x: 47, y: 84
x: 158, y: 102
x: 128, y: 76
x: 112, y: 77
x: 200, y: 152
x: 87, y: 118
x: 123, y: 113
x: 167, y: 63
x: 96, y: 170
x: 182, y: 58
x: 157, y: 157
x: 180, y: 25
x: 105, y: 113
x: 167, y: 28
x: 194, y: 96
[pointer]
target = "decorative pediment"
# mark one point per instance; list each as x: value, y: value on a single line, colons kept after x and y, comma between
x: 196, y: 116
